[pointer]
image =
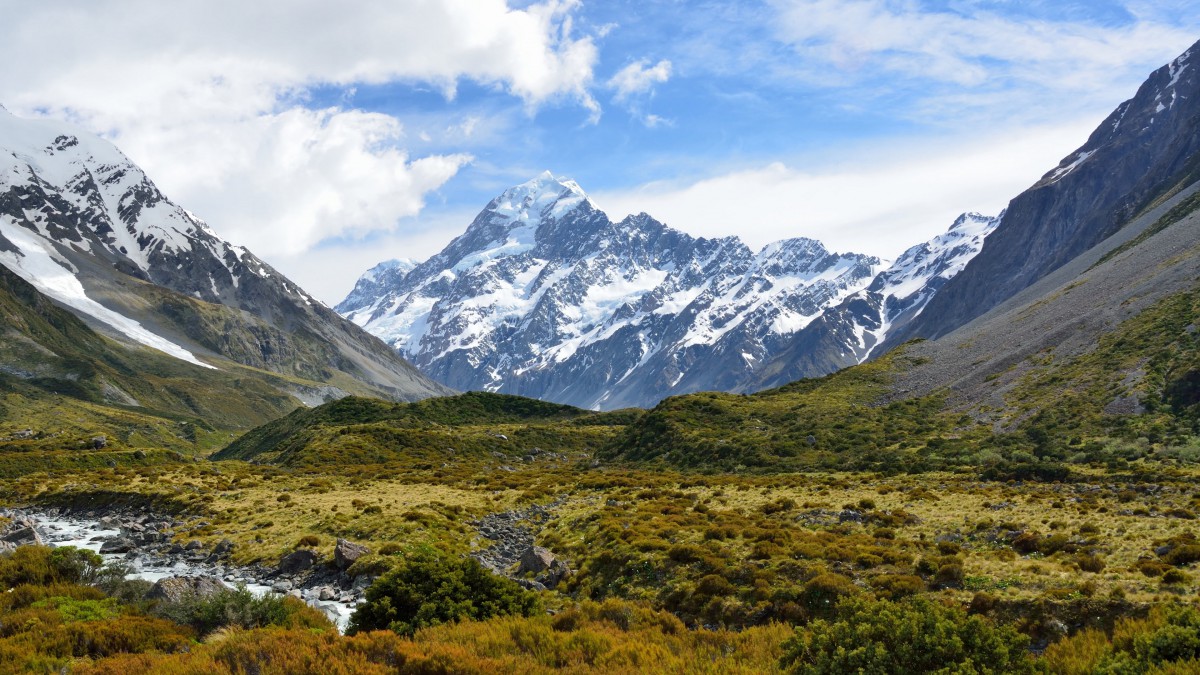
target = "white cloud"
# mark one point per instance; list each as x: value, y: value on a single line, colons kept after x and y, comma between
x: 419, y: 241
x: 638, y: 78
x: 979, y: 55
x: 879, y: 201
x: 290, y: 180
x: 210, y: 97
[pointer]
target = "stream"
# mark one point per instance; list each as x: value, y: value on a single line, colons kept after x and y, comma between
x: 58, y: 529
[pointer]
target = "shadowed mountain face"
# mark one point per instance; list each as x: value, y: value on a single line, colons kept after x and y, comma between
x: 1145, y: 151
x: 86, y: 227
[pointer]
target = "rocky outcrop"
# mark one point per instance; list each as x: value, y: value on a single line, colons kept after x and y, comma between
x: 543, y: 566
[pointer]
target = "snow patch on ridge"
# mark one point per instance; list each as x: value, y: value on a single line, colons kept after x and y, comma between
x: 38, y: 265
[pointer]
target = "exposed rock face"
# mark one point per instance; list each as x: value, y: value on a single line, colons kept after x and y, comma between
x: 175, y: 589
x: 1147, y: 147
x: 346, y: 552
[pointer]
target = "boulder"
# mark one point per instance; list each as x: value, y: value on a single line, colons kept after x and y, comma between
x: 535, y: 560
x: 297, y: 561
x: 346, y: 552
x: 223, y: 548
x: 174, y: 589
x: 544, y: 565
x: 117, y: 545
x: 22, y: 536
x: 281, y: 586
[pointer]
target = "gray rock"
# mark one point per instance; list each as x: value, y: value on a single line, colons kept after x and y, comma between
x: 23, y: 536
x: 346, y: 552
x: 281, y: 586
x: 297, y: 561
x: 174, y: 589
x: 117, y: 545
x: 535, y: 560
x: 361, y: 584
x: 223, y: 548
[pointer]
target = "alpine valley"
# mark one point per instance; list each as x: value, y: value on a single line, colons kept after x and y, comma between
x: 979, y: 458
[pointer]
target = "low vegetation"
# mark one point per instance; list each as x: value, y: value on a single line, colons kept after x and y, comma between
x: 826, y: 526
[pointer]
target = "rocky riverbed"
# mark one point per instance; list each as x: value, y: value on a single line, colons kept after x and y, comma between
x: 156, y: 548
x: 149, y: 546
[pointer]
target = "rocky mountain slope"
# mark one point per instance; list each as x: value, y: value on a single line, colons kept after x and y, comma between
x: 545, y: 296
x: 852, y: 331
x: 88, y: 228
x: 1144, y: 151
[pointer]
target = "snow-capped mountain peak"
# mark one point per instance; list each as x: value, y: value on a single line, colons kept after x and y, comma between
x: 85, y: 226
x: 542, y: 197
x: 544, y: 295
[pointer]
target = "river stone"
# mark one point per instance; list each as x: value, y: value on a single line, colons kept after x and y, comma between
x: 175, y: 589
x: 281, y: 586
x: 117, y: 545
x: 346, y: 552
x: 297, y: 561
x: 22, y: 536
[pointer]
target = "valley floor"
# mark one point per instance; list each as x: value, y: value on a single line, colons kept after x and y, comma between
x: 678, y: 572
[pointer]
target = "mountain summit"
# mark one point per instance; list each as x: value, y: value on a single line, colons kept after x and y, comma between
x: 544, y: 296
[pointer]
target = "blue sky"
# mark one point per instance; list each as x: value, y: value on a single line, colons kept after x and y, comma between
x: 328, y: 139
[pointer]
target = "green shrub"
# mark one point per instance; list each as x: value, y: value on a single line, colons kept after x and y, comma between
x: 431, y: 589
x: 45, y: 565
x: 1168, y: 635
x: 241, y: 609
x: 911, y: 636
x: 822, y: 593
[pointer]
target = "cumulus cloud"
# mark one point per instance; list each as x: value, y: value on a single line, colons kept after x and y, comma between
x: 212, y: 98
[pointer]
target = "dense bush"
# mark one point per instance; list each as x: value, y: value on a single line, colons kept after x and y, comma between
x: 44, y: 565
x: 911, y: 636
x: 1166, y: 641
x: 240, y: 608
x: 432, y: 588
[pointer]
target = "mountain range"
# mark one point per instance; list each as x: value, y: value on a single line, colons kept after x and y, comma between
x: 545, y: 296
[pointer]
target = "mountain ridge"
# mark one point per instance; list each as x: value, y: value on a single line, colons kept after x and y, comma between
x: 90, y: 229
x: 543, y: 295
